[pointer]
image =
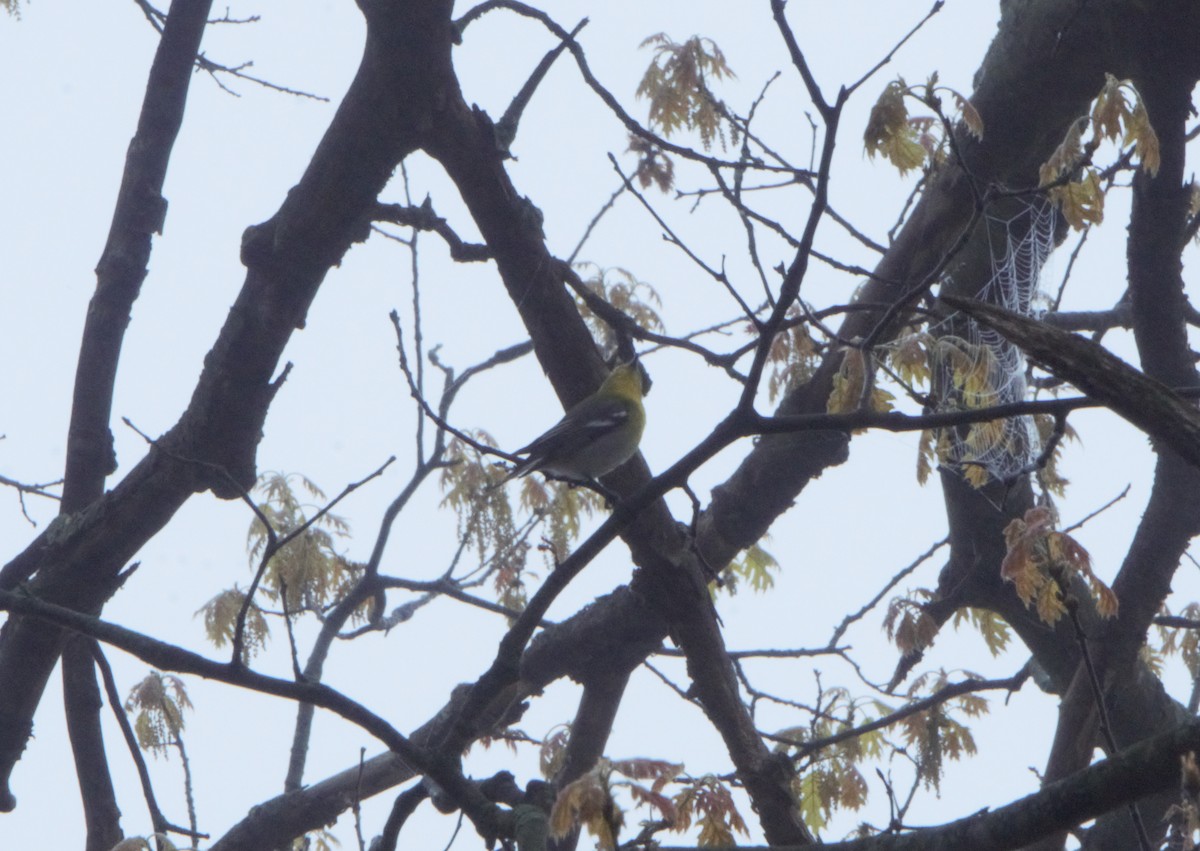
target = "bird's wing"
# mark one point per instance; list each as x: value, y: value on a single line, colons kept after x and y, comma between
x: 591, y: 421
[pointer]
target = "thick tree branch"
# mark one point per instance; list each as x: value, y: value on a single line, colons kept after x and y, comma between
x: 1172, y: 517
x: 81, y: 696
x: 1146, y: 768
x: 169, y: 657
x: 1147, y: 403
x: 618, y: 628
x: 287, y: 258
x: 140, y: 212
x: 424, y: 218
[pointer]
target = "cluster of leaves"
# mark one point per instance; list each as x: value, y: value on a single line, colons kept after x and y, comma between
x: 910, y: 142
x: 159, y: 701
x: 593, y: 801
x: 653, y: 164
x: 1185, y: 816
x: 909, y: 358
x: 708, y: 803
x: 307, y: 573
x: 308, y: 569
x: 753, y: 566
x: 590, y: 801
x: 676, y: 85
x: 832, y: 780
x: 1071, y: 181
x: 854, y: 387
x: 486, y: 521
x: 1041, y: 563
x: 935, y: 733
x: 619, y: 287
x: 220, y: 621
x: 487, y: 524
x: 994, y: 629
x: 1182, y: 642
x: 794, y: 356
x: 907, y: 624
x: 970, y: 375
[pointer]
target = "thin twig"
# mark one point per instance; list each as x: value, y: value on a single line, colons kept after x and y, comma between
x: 892, y: 583
x: 587, y: 232
x: 603, y: 93
x: 1099, y: 510
x: 674, y: 239
x: 937, y: 7
x: 948, y: 692
x: 810, y: 82
x: 356, y: 803
x: 1101, y: 707
x: 275, y: 545
x: 214, y: 68
x: 506, y: 127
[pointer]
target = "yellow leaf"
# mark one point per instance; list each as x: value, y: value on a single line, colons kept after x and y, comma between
x: 847, y: 384
x: 970, y: 116
x: 925, y: 456
x: 1145, y: 140
x: 1081, y: 201
x: 1022, y: 568
x: 888, y: 118
x: 588, y: 801
x: 1106, y: 600
x: 1049, y: 603
x: 677, y: 86
x: 810, y: 801
x: 891, y: 133
x: 1066, y: 157
x: 976, y: 475
x: 983, y: 437
x: 1110, y: 108
x: 910, y: 359
x: 906, y: 151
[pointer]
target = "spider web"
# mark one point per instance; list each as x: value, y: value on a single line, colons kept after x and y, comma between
x: 975, y: 367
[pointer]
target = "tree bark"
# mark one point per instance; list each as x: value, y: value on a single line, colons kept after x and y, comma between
x: 213, y: 445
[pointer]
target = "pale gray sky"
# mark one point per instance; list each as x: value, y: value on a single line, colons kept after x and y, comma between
x: 72, y: 88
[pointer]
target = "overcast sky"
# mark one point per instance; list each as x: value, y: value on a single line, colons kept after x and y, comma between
x: 72, y: 87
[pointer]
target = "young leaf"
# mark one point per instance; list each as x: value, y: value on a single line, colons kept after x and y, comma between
x: 891, y: 133
x: 220, y: 622
x: 707, y: 801
x: 677, y: 86
x: 588, y: 801
x: 159, y: 701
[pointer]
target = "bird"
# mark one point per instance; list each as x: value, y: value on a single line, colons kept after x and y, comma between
x: 594, y: 437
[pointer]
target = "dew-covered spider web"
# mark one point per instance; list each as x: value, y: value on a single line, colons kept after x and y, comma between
x: 974, y: 367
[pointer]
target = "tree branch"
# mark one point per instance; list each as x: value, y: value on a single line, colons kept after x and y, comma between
x: 1146, y: 768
